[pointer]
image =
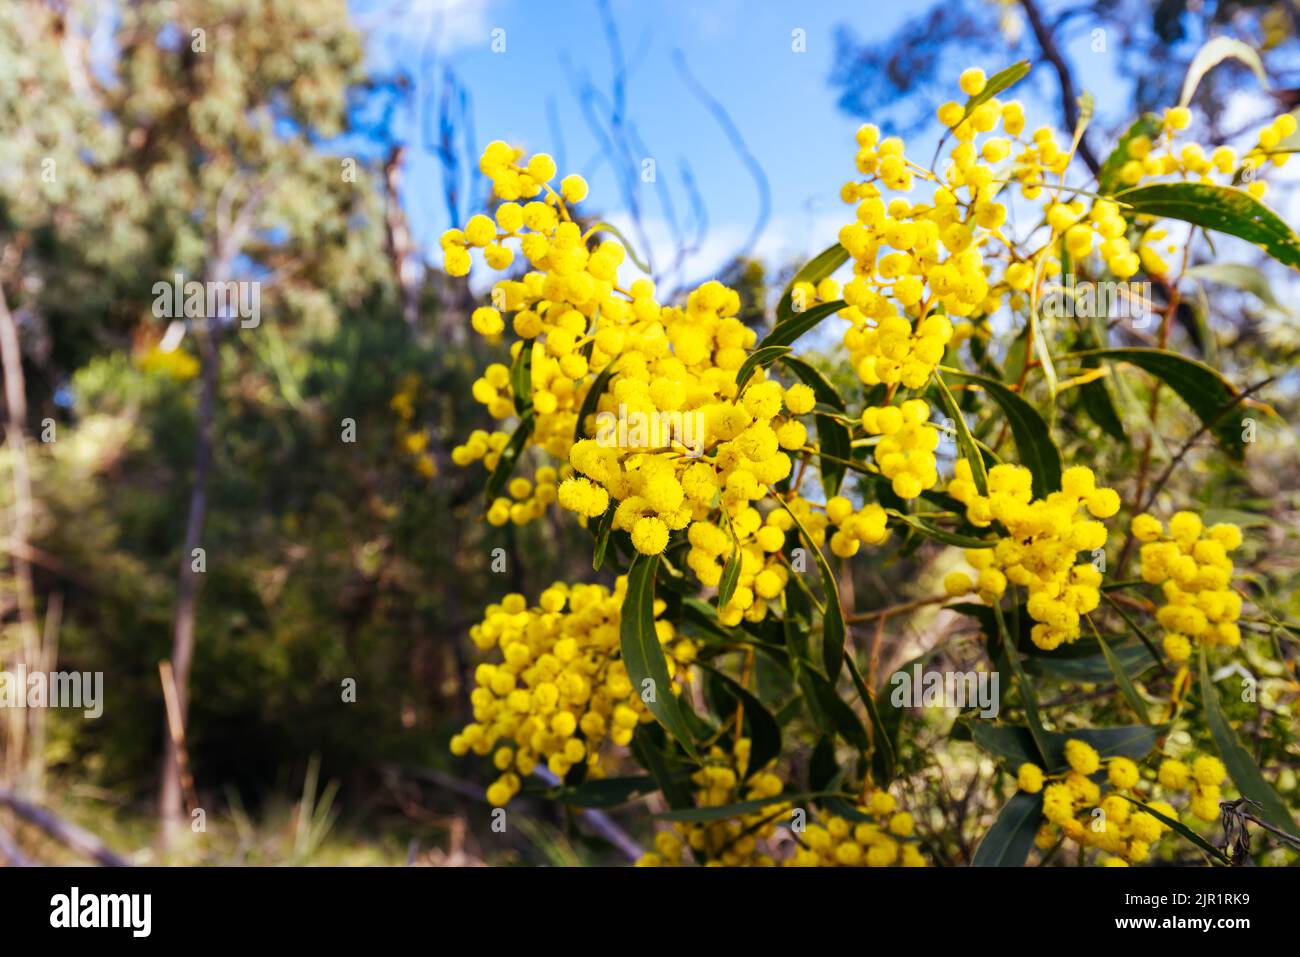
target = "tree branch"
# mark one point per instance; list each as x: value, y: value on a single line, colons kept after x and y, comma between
x: 1069, y: 99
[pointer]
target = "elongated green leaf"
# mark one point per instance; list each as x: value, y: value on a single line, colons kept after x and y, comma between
x: 590, y: 400
x: 788, y: 332
x: 509, y: 456
x: 1239, y: 276
x: 835, y: 713
x: 730, y: 572
x: 763, y: 358
x: 704, y: 815
x: 1095, y: 400
x: 1148, y: 125
x: 813, y: 271
x: 521, y: 378
x: 603, y: 527
x: 1241, y: 767
x: 1008, y: 654
x: 1122, y: 679
x: 1133, y: 627
x: 1095, y: 397
x: 644, y: 655
x: 937, y: 533
x: 965, y: 441
x: 834, y: 442
x: 1204, y: 390
x: 882, y: 744
x: 1015, y: 745
x: 1089, y: 668
x: 647, y: 747
x: 1224, y: 209
x: 1038, y: 452
x: 1216, y: 855
x: 833, y: 618
x: 821, y: 386
x: 1008, y: 842
x: 764, y: 731
x: 605, y: 792
x: 1214, y: 52
x: 730, y: 577
x: 832, y: 436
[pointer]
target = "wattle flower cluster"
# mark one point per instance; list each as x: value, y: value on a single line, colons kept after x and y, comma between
x: 1040, y: 551
x: 878, y: 835
x: 1194, y: 570
x: 1076, y: 808
x: 732, y: 842
x: 560, y: 689
x: 1071, y: 806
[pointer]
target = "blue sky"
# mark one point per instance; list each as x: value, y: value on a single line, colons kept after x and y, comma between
x: 740, y: 51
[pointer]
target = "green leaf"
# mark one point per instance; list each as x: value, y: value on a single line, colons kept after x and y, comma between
x: 509, y: 456
x: 603, y: 527
x: 644, y: 655
x: 763, y: 357
x: 1215, y: 854
x: 1238, y: 276
x: 813, y: 271
x: 1241, y: 768
x: 1204, y: 390
x: 787, y: 332
x: 1088, y: 668
x: 821, y: 386
x: 705, y: 815
x: 730, y: 577
x: 1014, y: 743
x: 834, y: 710
x: 1121, y: 678
x: 1148, y: 125
x: 965, y: 441
x: 833, y: 629
x: 521, y: 378
x: 590, y: 400
x: 1008, y: 842
x: 1133, y: 627
x: 1037, y: 451
x: 1214, y: 52
x: 646, y: 747
x: 605, y: 792
x: 1224, y: 209
x: 832, y: 435
x: 764, y: 731
x: 882, y: 745
x: 939, y: 534
x: 1006, y: 653
x: 1095, y: 400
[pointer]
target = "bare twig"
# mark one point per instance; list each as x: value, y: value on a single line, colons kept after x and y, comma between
x: 75, y: 837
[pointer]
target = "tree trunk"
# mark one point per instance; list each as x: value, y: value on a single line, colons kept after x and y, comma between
x: 187, y: 591
x: 28, y: 778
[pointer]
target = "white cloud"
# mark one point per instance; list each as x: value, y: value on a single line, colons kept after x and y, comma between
x: 412, y: 28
